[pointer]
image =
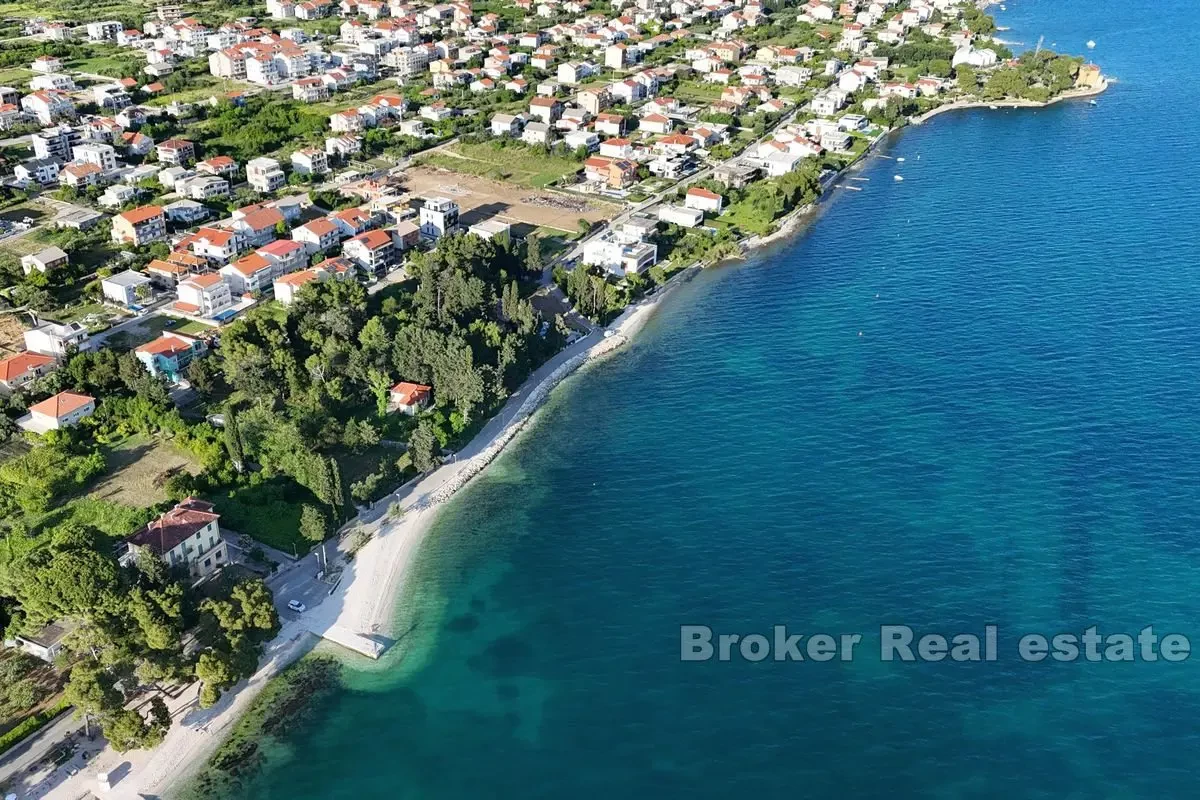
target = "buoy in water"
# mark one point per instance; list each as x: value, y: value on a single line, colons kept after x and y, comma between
x: 1091, y: 45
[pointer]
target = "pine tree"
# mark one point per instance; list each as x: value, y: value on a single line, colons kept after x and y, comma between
x: 233, y: 438
x: 337, y: 498
x: 533, y: 254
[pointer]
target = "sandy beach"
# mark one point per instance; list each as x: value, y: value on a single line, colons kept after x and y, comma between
x: 360, y: 612
x: 1071, y: 94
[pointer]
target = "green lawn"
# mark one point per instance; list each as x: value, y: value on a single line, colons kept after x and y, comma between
x: 112, y: 65
x: 110, y: 518
x: 201, y: 89
x: 516, y: 163
x: 15, y: 77
x: 152, y: 327
x: 268, y: 512
x: 697, y: 93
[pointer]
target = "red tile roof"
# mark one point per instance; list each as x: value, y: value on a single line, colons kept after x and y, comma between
x: 14, y: 367
x: 251, y: 264
x: 262, y: 219
x: 374, y: 239
x: 169, y: 344
x: 142, y: 214
x: 175, y: 526
x: 409, y: 393
x: 61, y: 404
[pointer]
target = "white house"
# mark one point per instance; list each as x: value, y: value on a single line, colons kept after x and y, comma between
x: 122, y: 288
x: 60, y: 411
x: 702, y: 199
x: 188, y: 536
x: 439, y: 216
x: 54, y: 339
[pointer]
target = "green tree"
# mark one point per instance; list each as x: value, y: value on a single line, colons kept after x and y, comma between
x: 381, y: 386
x: 216, y: 672
x: 422, y: 446
x: 314, y: 526
x: 233, y: 438
x: 968, y: 80
x: 92, y: 690
x: 533, y: 253
x: 126, y: 729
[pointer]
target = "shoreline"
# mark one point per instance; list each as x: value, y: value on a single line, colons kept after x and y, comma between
x: 959, y: 105
x: 366, y: 603
x: 361, y: 611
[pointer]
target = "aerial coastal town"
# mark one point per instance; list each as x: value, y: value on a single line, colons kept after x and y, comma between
x: 263, y: 266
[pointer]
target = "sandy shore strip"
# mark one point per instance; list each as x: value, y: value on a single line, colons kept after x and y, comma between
x: 365, y: 603
x: 363, y: 606
x: 1070, y: 94
x: 383, y: 564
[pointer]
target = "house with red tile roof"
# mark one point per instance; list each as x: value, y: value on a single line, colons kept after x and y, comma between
x: 320, y: 235
x: 257, y: 227
x: 374, y: 251
x: 220, y: 166
x: 409, y: 398
x: 204, y: 295
x: 17, y: 372
x: 188, y: 537
x: 702, y: 199
x: 169, y: 355
x: 285, y: 255
x: 288, y: 286
x: 139, y: 226
x: 249, y: 274
x: 60, y: 411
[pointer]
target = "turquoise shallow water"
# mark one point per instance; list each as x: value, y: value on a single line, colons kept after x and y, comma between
x: 967, y: 398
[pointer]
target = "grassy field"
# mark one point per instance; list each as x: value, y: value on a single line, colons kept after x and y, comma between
x: 201, y: 89
x: 110, y: 518
x: 16, y: 77
x: 697, y: 93
x: 151, y: 327
x: 137, y: 469
x: 268, y: 512
x: 515, y: 163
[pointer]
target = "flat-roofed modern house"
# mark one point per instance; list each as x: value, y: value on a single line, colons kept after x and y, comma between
x: 47, y: 643
x: 122, y: 288
x: 56, y: 339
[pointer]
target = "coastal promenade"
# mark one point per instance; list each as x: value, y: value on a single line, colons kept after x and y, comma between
x: 359, y: 613
x: 959, y: 105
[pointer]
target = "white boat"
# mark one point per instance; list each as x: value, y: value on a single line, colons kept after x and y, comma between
x: 900, y: 159
x: 1091, y: 45
x: 1093, y: 102
x: 993, y: 108
x: 897, y: 178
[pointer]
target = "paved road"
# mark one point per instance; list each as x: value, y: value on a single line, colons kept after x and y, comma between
x: 17, y: 762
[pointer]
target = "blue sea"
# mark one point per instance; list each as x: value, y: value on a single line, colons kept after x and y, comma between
x: 963, y: 399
